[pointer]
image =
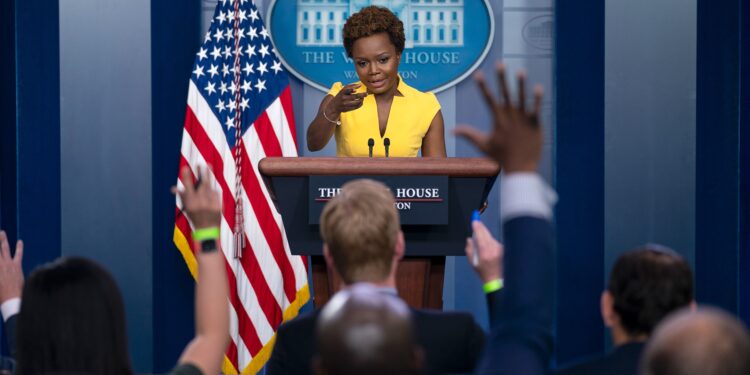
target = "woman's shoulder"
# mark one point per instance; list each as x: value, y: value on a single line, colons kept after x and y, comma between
x: 426, y: 99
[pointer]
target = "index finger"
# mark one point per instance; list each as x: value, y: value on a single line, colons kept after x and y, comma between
x: 187, y: 180
x: 351, y: 88
x: 486, y: 94
x: 500, y: 70
x: 18, y: 258
x: 4, y: 247
x: 204, y: 174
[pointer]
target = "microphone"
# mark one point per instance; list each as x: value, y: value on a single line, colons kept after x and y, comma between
x: 370, y: 143
x: 387, y: 144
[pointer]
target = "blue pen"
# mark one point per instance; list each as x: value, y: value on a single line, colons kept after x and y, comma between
x: 475, y: 257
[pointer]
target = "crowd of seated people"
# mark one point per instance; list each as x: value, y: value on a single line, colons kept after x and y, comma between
x: 68, y: 317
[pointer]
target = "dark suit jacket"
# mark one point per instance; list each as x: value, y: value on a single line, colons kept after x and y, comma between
x: 452, y: 343
x: 622, y: 361
x: 10, y: 334
x: 521, y: 337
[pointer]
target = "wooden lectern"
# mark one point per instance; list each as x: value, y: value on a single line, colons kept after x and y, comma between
x: 420, y: 275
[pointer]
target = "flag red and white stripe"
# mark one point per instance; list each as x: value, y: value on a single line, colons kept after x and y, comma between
x: 268, y: 285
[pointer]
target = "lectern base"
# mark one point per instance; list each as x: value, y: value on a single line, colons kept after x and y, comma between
x: 419, y: 281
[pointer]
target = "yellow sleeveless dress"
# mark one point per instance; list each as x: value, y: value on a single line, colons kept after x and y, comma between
x: 410, y: 117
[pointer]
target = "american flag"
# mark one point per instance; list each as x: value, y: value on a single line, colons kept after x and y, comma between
x: 239, y: 110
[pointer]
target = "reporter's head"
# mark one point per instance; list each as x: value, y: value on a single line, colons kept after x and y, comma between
x: 72, y: 319
x: 646, y: 285
x: 366, y: 332
x: 361, y: 232
x: 704, y: 342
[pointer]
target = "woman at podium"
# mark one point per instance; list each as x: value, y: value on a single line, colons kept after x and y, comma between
x: 380, y: 115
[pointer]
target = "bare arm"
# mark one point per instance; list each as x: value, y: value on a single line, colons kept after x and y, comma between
x: 321, y: 129
x: 521, y: 340
x: 206, y: 350
x: 433, y: 143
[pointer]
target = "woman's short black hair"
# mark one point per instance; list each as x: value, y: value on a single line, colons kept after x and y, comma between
x: 370, y: 21
x: 72, y: 320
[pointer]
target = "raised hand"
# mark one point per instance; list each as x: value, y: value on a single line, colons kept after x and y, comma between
x: 321, y: 129
x: 199, y: 201
x: 202, y: 205
x: 11, y: 273
x: 490, y: 265
x: 516, y: 138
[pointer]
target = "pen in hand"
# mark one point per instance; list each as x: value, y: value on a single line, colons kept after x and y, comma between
x: 475, y: 254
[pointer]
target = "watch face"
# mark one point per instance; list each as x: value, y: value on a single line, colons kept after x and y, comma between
x: 208, y: 246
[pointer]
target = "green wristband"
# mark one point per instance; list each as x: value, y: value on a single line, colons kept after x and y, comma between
x: 203, y: 234
x: 493, y: 286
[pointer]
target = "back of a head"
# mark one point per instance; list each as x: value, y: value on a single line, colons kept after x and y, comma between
x: 360, y: 227
x: 362, y: 331
x: 72, y: 320
x: 706, y: 342
x: 647, y: 284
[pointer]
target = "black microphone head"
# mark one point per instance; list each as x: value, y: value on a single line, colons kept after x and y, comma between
x: 387, y: 141
x: 371, y: 142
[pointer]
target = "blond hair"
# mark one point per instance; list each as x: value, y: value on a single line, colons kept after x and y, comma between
x: 360, y: 227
